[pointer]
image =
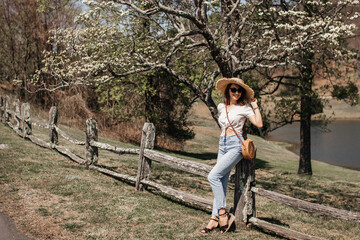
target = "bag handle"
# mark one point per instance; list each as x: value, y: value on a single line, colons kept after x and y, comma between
x: 232, y: 125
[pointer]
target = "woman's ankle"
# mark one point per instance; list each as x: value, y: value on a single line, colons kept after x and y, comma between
x: 223, y: 217
x: 222, y: 211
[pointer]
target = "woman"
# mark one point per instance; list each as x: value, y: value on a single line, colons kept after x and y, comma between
x: 239, y: 105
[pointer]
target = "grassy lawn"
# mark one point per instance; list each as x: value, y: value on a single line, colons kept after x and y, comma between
x: 50, y: 197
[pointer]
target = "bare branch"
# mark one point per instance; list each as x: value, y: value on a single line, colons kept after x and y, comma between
x: 137, y: 9
x: 227, y: 18
x: 179, y: 13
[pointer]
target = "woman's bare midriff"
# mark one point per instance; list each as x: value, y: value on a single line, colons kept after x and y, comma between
x: 229, y: 132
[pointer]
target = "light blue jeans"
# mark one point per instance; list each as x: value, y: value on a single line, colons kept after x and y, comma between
x: 228, y: 156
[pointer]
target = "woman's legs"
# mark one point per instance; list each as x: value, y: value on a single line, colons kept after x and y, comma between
x: 229, y: 155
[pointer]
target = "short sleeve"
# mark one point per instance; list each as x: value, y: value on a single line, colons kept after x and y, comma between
x: 221, y: 107
x: 248, y: 111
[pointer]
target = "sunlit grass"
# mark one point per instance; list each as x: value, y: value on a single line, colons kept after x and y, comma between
x: 78, y: 203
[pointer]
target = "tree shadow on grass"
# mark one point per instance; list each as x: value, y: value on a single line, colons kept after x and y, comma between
x: 201, y: 156
x: 274, y: 221
x: 262, y: 164
x: 259, y: 163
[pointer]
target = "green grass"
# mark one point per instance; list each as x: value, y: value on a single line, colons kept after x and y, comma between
x: 44, y: 188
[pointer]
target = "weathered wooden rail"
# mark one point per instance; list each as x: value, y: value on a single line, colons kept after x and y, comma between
x: 244, y: 198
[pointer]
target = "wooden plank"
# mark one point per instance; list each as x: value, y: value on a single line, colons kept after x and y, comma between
x: 17, y: 131
x: 10, y: 125
x: 114, y: 149
x: 178, y: 163
x: 63, y: 150
x: 67, y: 137
x: 10, y: 112
x: 282, y: 231
x: 39, y: 142
x: 39, y: 124
x: 120, y: 176
x: 15, y: 114
x: 307, y: 206
x: 186, y: 198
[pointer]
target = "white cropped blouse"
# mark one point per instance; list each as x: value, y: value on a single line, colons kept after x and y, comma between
x: 237, y: 116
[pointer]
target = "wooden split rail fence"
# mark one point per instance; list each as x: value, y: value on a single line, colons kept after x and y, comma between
x: 18, y: 118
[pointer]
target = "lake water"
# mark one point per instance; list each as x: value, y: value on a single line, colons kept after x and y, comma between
x: 340, y: 146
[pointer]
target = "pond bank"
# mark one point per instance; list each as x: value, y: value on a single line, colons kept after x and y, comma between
x: 338, y: 146
x: 342, y: 110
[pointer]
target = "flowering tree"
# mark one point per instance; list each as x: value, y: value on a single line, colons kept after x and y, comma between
x: 24, y: 30
x: 192, y: 41
x: 314, y: 34
x: 195, y: 41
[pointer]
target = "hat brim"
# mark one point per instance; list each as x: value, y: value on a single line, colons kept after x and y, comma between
x: 222, y: 83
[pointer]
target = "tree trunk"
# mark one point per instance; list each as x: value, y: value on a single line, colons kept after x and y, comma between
x: 209, y: 102
x: 149, y: 103
x: 305, y: 137
x: 305, y: 119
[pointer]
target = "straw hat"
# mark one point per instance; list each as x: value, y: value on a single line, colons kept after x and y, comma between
x: 222, y: 83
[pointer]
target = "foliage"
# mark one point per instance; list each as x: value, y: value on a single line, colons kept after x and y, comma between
x: 192, y: 41
x: 195, y: 42
x: 151, y: 96
x: 347, y: 93
x: 24, y: 33
x: 95, y: 54
x: 313, y: 34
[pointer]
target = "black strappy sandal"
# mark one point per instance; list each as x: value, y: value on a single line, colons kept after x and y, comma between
x: 230, y: 220
x: 207, y: 230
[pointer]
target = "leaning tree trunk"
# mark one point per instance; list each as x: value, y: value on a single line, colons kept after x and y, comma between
x: 305, y: 119
x: 209, y: 102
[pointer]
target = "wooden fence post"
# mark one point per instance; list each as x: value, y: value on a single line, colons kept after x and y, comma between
x: 25, y: 115
x: 244, y: 198
x: 144, y: 166
x: 7, y: 109
x: 17, y: 114
x: 2, y: 108
x: 53, y: 118
x: 91, y: 153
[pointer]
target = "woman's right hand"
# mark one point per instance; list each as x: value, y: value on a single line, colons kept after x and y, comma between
x: 253, y: 103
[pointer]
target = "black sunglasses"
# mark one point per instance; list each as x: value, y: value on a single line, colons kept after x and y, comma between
x: 234, y: 90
